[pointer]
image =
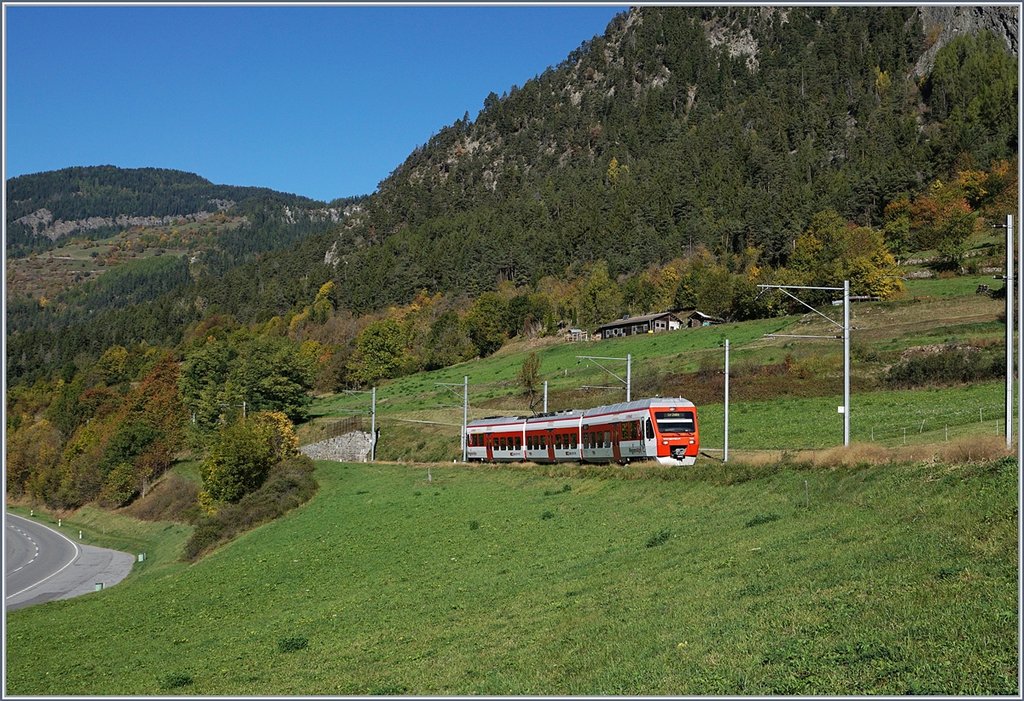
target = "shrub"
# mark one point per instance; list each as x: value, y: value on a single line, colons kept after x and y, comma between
x: 547, y: 515
x: 762, y: 519
x: 289, y: 484
x: 292, y: 644
x: 953, y: 365
x: 659, y: 538
x: 174, y: 498
x: 174, y: 680
x: 241, y: 457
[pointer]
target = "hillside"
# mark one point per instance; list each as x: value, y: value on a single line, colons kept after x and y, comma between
x: 784, y: 580
x: 680, y: 130
x: 681, y: 127
x: 675, y: 162
x: 100, y: 200
x: 130, y: 246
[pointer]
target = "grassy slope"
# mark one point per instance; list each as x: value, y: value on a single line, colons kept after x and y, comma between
x: 933, y: 312
x: 876, y: 580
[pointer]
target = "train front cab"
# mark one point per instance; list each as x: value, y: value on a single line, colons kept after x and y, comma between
x: 671, y: 435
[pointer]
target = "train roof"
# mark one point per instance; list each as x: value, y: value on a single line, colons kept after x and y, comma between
x: 636, y: 404
x: 496, y: 420
x: 652, y: 403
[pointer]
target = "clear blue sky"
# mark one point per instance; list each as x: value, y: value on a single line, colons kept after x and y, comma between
x: 322, y: 101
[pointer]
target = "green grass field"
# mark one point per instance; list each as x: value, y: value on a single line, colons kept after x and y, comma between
x: 878, y: 580
x: 420, y: 419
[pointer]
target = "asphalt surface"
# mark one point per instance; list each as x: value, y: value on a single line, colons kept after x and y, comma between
x: 42, y: 564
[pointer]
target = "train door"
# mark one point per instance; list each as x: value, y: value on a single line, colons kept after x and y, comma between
x: 489, y: 442
x: 551, y: 445
x: 616, y: 440
x: 650, y: 439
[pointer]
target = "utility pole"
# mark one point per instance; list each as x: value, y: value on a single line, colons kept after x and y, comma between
x: 725, y: 450
x: 373, y: 417
x: 1020, y: 353
x: 846, y: 362
x: 465, y: 416
x: 1009, y: 330
x: 450, y: 386
x: 629, y: 375
x: 545, y: 396
x: 845, y: 326
x: 373, y: 424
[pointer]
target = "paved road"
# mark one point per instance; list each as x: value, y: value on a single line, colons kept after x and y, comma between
x: 41, y: 564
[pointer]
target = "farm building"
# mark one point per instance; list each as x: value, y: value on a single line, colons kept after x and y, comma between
x: 696, y: 319
x: 648, y: 323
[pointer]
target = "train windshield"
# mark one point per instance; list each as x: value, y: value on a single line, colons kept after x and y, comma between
x: 675, y: 421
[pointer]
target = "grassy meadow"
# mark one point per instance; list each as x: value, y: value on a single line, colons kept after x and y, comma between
x: 785, y: 392
x: 395, y: 580
x: 887, y: 568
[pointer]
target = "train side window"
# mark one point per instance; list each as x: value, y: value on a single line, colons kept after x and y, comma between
x: 519, y: 442
x: 650, y: 429
x: 607, y: 439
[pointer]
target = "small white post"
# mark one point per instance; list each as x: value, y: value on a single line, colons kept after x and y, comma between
x: 60, y: 522
x: 79, y: 535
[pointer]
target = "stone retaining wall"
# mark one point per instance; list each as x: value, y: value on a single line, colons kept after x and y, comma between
x: 350, y: 447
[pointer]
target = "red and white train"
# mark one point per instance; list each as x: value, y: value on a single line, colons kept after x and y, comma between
x: 662, y: 429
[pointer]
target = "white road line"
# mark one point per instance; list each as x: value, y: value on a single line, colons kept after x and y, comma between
x: 70, y: 562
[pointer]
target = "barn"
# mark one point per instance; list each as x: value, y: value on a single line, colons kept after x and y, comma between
x: 632, y: 325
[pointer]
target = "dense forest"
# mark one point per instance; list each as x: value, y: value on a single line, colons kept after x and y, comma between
x: 649, y: 141
x: 674, y: 162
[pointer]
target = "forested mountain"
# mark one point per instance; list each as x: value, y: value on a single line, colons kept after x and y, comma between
x: 728, y: 127
x: 675, y: 162
x: 680, y: 130
x: 97, y: 200
x: 207, y: 231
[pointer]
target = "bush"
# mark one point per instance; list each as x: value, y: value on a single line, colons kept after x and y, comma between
x: 292, y: 644
x: 174, y: 680
x: 243, y: 454
x: 659, y: 538
x: 953, y: 365
x: 289, y: 484
x: 174, y: 498
x: 762, y: 519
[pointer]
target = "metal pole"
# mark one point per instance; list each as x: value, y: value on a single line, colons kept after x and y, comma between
x: 465, y: 413
x: 373, y: 424
x: 846, y: 362
x: 1009, y: 330
x: 1020, y: 356
x: 545, y: 396
x: 725, y: 451
x: 629, y: 376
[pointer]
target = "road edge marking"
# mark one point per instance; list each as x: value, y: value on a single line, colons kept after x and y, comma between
x: 78, y: 553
